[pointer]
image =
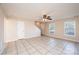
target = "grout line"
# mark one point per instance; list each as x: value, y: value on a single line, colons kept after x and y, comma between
x: 33, y: 47
x: 52, y: 47
x: 25, y: 47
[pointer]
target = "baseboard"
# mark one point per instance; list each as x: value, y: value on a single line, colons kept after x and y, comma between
x: 62, y: 39
x: 10, y: 41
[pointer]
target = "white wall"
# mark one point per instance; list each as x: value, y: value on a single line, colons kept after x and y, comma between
x: 10, y: 30
x: 1, y: 31
x: 26, y: 29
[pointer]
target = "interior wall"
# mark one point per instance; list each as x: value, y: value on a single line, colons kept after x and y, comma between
x: 59, y: 33
x: 10, y: 30
x: 31, y: 30
x: 13, y: 33
x: 1, y: 31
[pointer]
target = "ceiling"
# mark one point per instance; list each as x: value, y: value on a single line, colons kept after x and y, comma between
x: 33, y: 11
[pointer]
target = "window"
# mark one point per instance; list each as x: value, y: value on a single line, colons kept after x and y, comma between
x: 69, y: 28
x: 51, y: 28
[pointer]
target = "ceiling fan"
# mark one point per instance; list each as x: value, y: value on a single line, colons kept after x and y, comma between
x: 47, y: 17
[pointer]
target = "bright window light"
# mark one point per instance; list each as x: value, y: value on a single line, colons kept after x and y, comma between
x: 69, y: 28
x: 51, y: 28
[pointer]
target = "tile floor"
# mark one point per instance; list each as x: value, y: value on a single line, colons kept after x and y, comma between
x: 41, y: 46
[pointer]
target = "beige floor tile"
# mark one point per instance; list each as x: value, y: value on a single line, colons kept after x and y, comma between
x: 41, y: 46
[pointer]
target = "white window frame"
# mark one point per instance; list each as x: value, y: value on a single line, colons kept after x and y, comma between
x: 74, y: 28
